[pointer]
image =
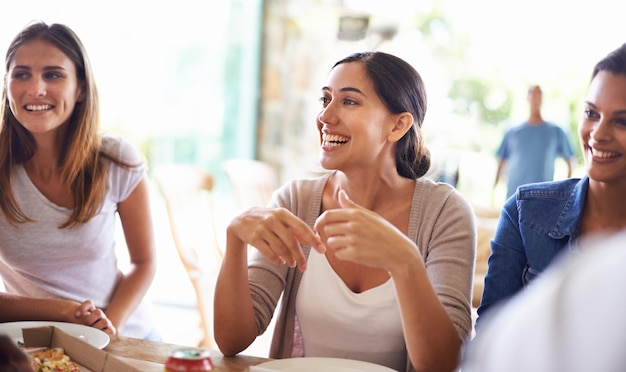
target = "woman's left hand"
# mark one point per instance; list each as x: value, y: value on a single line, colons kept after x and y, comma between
x: 357, y: 234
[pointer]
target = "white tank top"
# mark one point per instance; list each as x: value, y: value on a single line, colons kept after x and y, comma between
x: 336, y: 322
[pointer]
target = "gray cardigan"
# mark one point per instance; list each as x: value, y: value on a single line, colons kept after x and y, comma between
x: 442, y: 225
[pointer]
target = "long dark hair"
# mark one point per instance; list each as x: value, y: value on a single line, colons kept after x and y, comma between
x: 401, y: 89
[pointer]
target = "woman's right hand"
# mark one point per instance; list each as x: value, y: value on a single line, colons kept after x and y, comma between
x: 276, y: 233
x: 88, y: 314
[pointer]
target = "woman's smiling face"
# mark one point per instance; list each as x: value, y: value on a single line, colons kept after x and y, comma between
x: 602, y: 130
x: 42, y: 86
x: 354, y: 123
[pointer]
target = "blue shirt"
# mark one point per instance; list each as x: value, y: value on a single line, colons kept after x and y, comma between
x: 530, y: 152
x: 538, y: 223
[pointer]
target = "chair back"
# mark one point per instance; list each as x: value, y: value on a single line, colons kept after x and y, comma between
x: 187, y: 192
x: 486, y: 224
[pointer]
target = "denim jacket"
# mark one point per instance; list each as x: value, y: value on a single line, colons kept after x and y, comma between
x: 536, y: 224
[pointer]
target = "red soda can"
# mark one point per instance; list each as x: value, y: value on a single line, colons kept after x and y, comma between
x: 191, y: 359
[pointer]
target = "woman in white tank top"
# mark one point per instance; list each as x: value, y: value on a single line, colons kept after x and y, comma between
x: 389, y: 277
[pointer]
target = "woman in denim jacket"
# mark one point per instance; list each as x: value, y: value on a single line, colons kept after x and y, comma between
x: 543, y: 220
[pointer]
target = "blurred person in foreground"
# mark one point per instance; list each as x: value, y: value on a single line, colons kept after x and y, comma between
x: 374, y: 262
x: 528, y: 151
x: 62, y: 184
x: 544, y: 220
x: 570, y: 319
x: 12, y: 358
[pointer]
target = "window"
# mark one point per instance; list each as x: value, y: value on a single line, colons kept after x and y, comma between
x: 179, y: 79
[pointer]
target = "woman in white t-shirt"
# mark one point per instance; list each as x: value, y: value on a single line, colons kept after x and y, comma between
x: 389, y: 277
x: 61, y: 185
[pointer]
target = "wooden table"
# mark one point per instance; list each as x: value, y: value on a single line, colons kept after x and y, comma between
x: 151, y: 356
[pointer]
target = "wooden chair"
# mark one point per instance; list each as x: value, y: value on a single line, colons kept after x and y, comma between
x: 252, y: 181
x: 187, y: 192
x: 486, y: 223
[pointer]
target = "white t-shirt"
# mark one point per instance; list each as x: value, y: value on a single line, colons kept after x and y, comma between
x: 37, y: 259
x: 374, y: 330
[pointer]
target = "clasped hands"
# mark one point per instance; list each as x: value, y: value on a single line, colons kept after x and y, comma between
x: 352, y: 232
x: 88, y: 314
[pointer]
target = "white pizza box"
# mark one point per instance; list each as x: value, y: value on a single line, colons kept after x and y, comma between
x: 89, y: 357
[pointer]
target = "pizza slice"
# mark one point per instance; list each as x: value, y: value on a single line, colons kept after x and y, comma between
x: 53, y: 360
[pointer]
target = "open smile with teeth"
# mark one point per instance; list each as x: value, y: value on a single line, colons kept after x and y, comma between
x: 38, y: 107
x: 333, y: 140
x: 604, y: 154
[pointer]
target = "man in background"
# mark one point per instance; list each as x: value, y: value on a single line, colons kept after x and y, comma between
x: 528, y: 151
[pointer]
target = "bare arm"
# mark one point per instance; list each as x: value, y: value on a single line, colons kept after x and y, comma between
x: 277, y: 234
x: 501, y: 166
x: 137, y: 224
x: 571, y: 164
x: 234, y: 322
x: 432, y: 340
x: 21, y: 308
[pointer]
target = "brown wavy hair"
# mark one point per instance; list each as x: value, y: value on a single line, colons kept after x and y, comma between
x: 81, y: 156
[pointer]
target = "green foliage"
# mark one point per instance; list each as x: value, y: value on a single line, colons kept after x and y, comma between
x: 574, y: 110
x: 473, y: 96
x: 482, y: 99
